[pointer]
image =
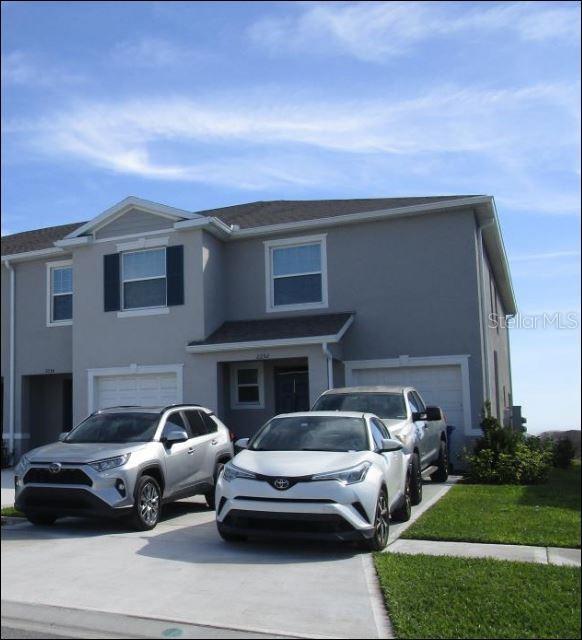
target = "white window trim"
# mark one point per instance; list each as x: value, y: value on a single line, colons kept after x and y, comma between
x: 132, y: 370
x: 269, y: 278
x: 49, y: 293
x: 234, y: 369
x: 135, y: 311
x: 429, y: 361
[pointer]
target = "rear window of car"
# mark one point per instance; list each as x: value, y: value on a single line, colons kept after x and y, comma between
x: 390, y: 406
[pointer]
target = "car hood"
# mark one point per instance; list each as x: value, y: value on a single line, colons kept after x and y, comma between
x: 395, y: 426
x: 81, y: 452
x: 297, y: 463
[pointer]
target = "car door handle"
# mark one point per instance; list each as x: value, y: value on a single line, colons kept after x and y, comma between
x: 191, y: 450
x: 215, y: 441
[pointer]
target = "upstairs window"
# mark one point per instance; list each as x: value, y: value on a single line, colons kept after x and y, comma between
x: 144, y: 279
x: 60, y: 293
x: 297, y: 273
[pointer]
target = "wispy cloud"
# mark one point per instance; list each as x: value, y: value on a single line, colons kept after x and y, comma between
x: 548, y: 255
x: 259, y: 139
x: 28, y: 70
x: 155, y: 52
x: 376, y: 31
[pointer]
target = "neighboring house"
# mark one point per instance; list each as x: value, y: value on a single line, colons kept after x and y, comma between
x: 255, y: 309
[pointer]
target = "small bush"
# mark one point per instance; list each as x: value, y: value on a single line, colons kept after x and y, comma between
x: 503, y: 456
x: 564, y: 453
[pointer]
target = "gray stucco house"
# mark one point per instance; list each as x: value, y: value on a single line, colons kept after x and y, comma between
x: 255, y: 309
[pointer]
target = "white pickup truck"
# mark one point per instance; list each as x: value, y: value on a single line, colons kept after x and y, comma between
x: 421, y: 429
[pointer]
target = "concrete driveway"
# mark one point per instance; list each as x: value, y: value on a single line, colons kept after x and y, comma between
x: 183, y: 573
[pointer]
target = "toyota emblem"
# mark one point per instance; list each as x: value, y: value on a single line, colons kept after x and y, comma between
x: 281, y: 484
x: 55, y: 467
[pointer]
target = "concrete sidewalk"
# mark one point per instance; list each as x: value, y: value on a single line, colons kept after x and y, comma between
x: 514, y: 552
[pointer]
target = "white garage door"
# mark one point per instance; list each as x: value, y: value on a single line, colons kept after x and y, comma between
x: 145, y: 389
x: 439, y: 385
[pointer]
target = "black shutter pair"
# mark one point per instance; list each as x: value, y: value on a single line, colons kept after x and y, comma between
x: 174, y: 278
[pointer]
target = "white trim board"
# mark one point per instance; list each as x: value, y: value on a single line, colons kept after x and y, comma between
x: 133, y: 370
x: 429, y: 361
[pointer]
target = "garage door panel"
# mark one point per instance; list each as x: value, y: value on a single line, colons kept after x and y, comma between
x: 439, y: 385
x: 136, y: 389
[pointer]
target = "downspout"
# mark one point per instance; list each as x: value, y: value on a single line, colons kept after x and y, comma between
x: 484, y: 325
x: 11, y: 365
x: 327, y: 353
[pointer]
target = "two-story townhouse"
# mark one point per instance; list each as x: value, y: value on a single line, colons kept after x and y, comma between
x: 255, y: 309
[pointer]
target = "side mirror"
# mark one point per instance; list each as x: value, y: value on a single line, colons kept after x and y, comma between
x: 390, y: 445
x: 434, y: 413
x: 242, y: 443
x: 174, y: 435
x: 418, y: 416
x: 63, y: 435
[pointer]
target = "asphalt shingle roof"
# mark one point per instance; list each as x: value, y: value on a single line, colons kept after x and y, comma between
x: 252, y: 214
x: 276, y: 329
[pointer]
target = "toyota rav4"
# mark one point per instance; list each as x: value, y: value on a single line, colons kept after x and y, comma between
x: 124, y: 461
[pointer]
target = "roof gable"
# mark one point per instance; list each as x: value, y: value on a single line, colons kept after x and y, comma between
x: 133, y: 208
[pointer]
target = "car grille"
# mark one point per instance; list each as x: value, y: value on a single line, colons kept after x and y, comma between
x: 287, y: 523
x: 41, y: 475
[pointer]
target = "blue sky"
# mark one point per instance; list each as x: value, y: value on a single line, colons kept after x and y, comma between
x: 200, y: 105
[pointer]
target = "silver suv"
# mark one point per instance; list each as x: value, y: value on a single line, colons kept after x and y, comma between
x: 125, y: 461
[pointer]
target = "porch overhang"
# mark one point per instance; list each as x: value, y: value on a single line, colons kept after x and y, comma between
x: 275, y: 332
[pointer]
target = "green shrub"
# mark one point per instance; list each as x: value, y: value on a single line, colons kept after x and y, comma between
x: 564, y: 453
x: 502, y: 456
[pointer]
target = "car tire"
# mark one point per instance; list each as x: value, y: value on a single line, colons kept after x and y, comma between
x: 442, y: 472
x: 404, y: 511
x: 41, y: 520
x: 381, y: 524
x: 415, y: 480
x: 147, y: 504
x: 229, y: 537
x: 211, y: 495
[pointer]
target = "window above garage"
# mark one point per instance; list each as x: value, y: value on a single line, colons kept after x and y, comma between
x: 296, y: 273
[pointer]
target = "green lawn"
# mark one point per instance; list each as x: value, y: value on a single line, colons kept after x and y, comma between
x: 11, y: 512
x: 542, y: 515
x: 444, y: 597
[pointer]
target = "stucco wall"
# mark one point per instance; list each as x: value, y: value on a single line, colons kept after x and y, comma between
x: 102, y: 340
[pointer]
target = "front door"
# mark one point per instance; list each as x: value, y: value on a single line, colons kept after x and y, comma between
x: 291, y: 390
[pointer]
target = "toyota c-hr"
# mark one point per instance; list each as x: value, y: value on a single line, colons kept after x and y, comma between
x: 124, y: 461
x: 421, y: 429
x: 337, y: 475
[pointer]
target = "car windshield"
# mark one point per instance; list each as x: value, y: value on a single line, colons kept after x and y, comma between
x: 384, y: 405
x: 115, y: 427
x: 312, y: 433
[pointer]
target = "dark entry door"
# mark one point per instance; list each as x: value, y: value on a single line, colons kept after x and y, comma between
x: 291, y: 390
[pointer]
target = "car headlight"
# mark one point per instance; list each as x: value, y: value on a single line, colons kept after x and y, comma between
x: 231, y: 472
x: 23, y: 464
x: 110, y: 463
x: 347, y: 476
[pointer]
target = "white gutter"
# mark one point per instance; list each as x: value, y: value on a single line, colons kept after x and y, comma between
x: 329, y: 357
x: 484, y: 325
x: 11, y: 398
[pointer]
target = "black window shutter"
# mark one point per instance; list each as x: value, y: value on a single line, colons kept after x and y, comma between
x: 175, y: 275
x: 111, y: 290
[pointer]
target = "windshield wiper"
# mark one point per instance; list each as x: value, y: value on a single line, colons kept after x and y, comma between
x: 330, y: 450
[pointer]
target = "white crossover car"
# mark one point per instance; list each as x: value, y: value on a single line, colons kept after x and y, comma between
x: 336, y: 475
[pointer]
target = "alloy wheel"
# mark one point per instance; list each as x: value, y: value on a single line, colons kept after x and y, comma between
x: 382, y: 519
x: 149, y: 504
